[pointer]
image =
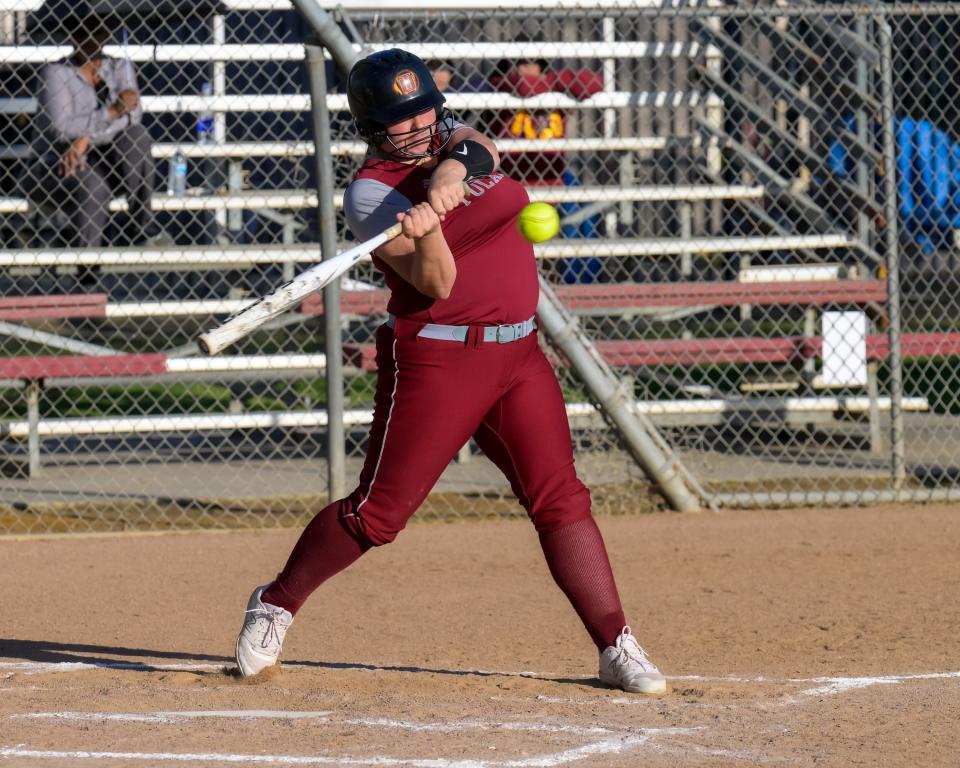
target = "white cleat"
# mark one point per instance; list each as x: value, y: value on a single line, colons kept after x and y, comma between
x: 625, y: 665
x: 261, y: 637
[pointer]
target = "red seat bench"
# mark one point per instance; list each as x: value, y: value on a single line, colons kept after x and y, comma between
x: 613, y: 296
x: 721, y: 351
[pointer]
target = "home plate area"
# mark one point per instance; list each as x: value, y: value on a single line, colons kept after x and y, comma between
x: 817, y: 637
x: 140, y: 714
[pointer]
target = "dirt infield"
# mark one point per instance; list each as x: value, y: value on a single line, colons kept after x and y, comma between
x: 825, y: 637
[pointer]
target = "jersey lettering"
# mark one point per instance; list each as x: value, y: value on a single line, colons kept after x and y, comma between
x: 496, y: 271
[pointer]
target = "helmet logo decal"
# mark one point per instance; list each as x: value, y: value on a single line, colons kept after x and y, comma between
x: 406, y: 82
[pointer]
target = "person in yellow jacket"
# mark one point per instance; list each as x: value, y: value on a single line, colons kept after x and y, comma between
x: 528, y: 78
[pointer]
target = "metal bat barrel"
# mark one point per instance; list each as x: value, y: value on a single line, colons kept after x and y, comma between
x: 288, y: 295
x: 292, y: 293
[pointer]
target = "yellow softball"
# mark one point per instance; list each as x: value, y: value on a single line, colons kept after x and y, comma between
x: 538, y: 222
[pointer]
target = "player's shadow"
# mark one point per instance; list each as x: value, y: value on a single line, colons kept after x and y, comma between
x: 117, y: 657
x: 49, y: 652
x: 413, y: 669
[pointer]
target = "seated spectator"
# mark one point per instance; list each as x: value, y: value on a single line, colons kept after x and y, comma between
x: 531, y: 77
x: 89, y: 135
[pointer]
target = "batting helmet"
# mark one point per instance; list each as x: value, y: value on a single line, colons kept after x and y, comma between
x: 389, y: 86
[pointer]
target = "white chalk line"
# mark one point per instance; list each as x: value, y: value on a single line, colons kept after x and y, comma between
x: 831, y: 686
x: 321, y: 717
x: 623, y: 738
x: 603, y: 747
x: 836, y: 685
x: 616, y: 740
x: 753, y: 758
x: 173, y: 717
x: 54, y: 667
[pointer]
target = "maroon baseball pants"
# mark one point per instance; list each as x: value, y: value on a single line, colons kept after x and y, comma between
x: 432, y: 396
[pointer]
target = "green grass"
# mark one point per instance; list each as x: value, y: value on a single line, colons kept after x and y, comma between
x: 193, y: 397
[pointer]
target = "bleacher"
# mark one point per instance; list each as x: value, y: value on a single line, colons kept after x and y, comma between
x: 678, y: 243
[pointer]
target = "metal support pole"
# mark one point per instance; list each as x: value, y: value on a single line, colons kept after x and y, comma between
x: 746, y: 310
x: 864, y: 230
x: 686, y: 232
x: 897, y: 455
x: 234, y: 184
x: 610, y: 115
x: 33, y: 428
x: 873, y: 393
x: 218, y: 86
x: 328, y: 33
x: 327, y: 225
x: 657, y: 462
x: 809, y: 332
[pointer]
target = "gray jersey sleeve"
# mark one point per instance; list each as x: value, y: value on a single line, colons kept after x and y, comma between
x: 451, y: 124
x: 370, y: 206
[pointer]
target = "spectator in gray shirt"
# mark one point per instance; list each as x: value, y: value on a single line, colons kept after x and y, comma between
x: 89, y: 135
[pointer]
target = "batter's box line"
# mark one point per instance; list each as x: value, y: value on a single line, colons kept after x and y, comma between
x: 54, y: 667
x: 830, y: 686
x: 325, y: 717
x: 594, y: 749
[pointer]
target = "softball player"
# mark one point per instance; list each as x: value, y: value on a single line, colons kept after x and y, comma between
x: 457, y: 358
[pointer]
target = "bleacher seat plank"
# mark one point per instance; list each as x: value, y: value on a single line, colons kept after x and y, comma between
x: 67, y: 366
x: 490, y: 51
x: 250, y: 199
x: 662, y: 412
x: 725, y: 293
x: 197, y: 256
x: 108, y: 367
x: 616, y: 353
x: 14, y: 308
x: 337, y: 102
x: 736, y: 350
x: 247, y: 149
x: 351, y: 303
x: 618, y: 296
x: 760, y: 350
x: 914, y: 345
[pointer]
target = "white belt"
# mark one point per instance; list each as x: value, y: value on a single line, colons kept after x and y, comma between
x: 501, y: 334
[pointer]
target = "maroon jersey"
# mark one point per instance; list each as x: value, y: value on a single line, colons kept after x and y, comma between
x: 496, y: 271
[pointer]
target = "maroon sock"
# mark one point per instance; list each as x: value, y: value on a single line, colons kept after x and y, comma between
x: 325, y: 548
x: 579, y: 564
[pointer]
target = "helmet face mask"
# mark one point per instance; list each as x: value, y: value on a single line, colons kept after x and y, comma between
x: 436, y: 134
x: 389, y: 87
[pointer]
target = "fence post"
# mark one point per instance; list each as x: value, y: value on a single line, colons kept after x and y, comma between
x: 328, y: 33
x: 33, y: 434
x: 898, y: 463
x: 327, y: 226
x: 864, y: 228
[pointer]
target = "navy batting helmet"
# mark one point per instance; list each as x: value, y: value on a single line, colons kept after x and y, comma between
x: 388, y: 86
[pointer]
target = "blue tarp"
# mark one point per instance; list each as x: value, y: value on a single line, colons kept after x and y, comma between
x: 928, y: 181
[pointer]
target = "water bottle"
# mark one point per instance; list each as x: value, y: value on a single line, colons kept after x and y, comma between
x: 205, y: 120
x: 129, y: 74
x: 177, y: 175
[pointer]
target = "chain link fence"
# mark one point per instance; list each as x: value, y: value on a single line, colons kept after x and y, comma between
x: 758, y: 210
